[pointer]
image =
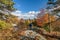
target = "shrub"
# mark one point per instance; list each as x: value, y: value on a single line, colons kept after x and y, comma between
x: 4, y: 25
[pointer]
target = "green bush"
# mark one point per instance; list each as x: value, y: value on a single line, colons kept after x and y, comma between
x: 46, y: 27
x: 4, y: 25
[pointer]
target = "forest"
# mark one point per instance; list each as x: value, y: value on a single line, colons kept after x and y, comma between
x: 46, y: 25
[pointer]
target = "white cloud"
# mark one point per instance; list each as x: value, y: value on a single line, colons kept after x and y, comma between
x: 33, y: 12
x: 17, y: 13
x: 30, y: 14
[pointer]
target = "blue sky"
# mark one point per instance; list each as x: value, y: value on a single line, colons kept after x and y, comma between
x: 30, y: 5
x: 28, y: 9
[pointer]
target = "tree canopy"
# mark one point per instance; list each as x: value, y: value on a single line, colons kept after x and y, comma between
x: 8, y: 4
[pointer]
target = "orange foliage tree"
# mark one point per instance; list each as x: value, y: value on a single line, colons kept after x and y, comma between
x: 46, y: 18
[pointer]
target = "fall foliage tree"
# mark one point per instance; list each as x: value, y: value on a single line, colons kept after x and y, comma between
x: 56, y: 25
x: 12, y: 19
x: 56, y: 11
x: 45, y: 19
